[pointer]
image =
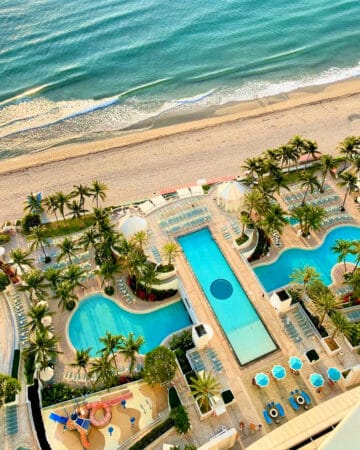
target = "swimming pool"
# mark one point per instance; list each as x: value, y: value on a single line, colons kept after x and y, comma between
x: 96, y: 314
x: 276, y: 275
x: 232, y: 307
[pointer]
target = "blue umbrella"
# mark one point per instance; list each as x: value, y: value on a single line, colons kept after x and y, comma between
x: 295, y: 363
x: 317, y: 380
x: 334, y: 374
x: 261, y: 379
x: 278, y: 372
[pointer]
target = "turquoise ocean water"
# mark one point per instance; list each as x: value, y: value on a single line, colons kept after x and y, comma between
x: 77, y: 70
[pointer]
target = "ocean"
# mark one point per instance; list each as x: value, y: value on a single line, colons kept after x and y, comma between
x: 74, y: 71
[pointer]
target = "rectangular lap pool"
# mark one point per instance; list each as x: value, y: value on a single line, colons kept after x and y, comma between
x: 232, y: 307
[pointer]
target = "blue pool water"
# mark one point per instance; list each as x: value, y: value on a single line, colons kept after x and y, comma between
x: 277, y: 274
x: 233, y: 309
x: 96, y: 314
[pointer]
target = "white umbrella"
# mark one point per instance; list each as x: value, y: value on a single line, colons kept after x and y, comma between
x: 2, y: 251
x: 46, y: 374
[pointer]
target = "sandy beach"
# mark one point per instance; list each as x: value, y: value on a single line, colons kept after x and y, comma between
x: 140, y: 164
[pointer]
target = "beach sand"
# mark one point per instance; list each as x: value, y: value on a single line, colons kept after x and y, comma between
x: 140, y: 164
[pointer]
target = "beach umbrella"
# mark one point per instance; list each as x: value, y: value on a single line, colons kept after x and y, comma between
x: 46, y: 374
x: 278, y: 372
x: 295, y: 363
x: 334, y: 374
x: 317, y: 380
x: 261, y: 379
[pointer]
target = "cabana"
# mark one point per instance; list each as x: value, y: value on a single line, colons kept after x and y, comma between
x: 131, y: 224
x: 230, y: 195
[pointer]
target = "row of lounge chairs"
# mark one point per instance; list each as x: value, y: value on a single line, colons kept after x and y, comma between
x: 184, y: 216
x: 303, y: 323
x: 214, y: 360
x: 320, y: 201
x: 123, y: 288
x: 20, y: 317
x: 291, y: 330
x: 298, y: 195
x: 190, y: 224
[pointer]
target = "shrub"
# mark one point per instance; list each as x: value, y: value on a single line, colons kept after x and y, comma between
x: 4, y: 238
x: 109, y: 290
x: 241, y: 239
x: 164, y: 268
x: 15, y: 364
x: 70, y: 305
x: 60, y: 392
x: 4, y: 281
x: 181, y: 419
x: 153, y: 434
x: 29, y: 221
x: 174, y: 400
x: 29, y: 368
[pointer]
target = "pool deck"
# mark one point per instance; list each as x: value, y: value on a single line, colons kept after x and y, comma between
x: 249, y: 399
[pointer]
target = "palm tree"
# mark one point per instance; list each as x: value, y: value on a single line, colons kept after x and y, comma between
x: 61, y: 200
x: 100, y: 216
x: 311, y: 149
x: 274, y: 219
x: 340, y: 323
x: 53, y: 276
x: 82, y: 360
x: 98, y: 190
x: 107, y: 271
x: 67, y: 248
x: 355, y: 250
x: 101, y: 367
x: 51, y: 204
x: 33, y: 204
x: 76, y: 209
x: 325, y: 303
x: 298, y: 145
x: 140, y: 238
x: 73, y: 275
x: 42, y: 347
x: 327, y: 163
x: 112, y: 344
x: 355, y: 163
x: 129, y: 347
x: 305, y: 276
x: 63, y: 293
x: 148, y: 277
x: 309, y: 183
x: 348, y: 147
x: 170, y: 250
x: 287, y: 155
x: 353, y: 280
x: 310, y: 217
x: 279, y: 181
x: 272, y: 168
x: 34, y: 284
x: 245, y: 220
x: 133, y: 261
x: 81, y: 191
x: 349, y: 181
x: 88, y: 239
x: 255, y: 201
x: 21, y: 258
x: 343, y: 248
x: 37, y: 313
x: 204, y: 387
x: 272, y: 154
x: 39, y: 240
x: 252, y: 168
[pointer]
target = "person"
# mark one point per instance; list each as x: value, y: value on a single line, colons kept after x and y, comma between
x: 253, y: 381
x: 241, y: 425
x: 252, y: 427
x: 259, y: 427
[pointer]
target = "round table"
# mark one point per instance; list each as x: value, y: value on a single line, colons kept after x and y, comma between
x: 273, y: 412
x: 300, y: 400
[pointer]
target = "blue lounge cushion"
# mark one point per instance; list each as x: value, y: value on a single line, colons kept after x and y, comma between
x: 306, y: 397
x: 280, y: 409
x: 293, y: 403
x: 267, y: 417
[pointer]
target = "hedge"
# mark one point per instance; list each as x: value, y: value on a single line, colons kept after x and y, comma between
x: 174, y: 400
x: 153, y: 434
x: 15, y: 364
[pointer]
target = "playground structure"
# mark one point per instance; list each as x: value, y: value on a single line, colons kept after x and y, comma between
x: 83, y: 417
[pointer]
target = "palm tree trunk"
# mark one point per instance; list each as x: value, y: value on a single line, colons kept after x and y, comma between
x: 345, y: 196
x: 321, y: 320
x: 114, y: 359
x: 345, y: 265
x: 303, y: 200
x: 323, y: 182
x: 69, y: 258
x: 43, y: 249
x: 356, y: 264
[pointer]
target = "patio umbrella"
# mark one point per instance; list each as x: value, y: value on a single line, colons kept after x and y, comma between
x: 295, y: 363
x: 278, y: 372
x: 46, y: 374
x: 261, y: 379
x: 334, y: 374
x: 317, y: 380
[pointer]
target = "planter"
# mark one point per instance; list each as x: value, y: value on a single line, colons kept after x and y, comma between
x: 351, y: 347
x: 331, y: 346
x: 165, y: 275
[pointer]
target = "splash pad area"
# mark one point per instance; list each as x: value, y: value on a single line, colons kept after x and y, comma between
x: 104, y: 420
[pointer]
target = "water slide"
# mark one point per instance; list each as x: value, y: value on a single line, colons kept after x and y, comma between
x: 59, y: 419
x: 93, y: 407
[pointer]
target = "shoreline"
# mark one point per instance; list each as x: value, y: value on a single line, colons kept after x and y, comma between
x: 139, y: 166
x: 212, y: 117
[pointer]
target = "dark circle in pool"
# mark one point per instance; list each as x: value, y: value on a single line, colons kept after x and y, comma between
x: 221, y: 289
